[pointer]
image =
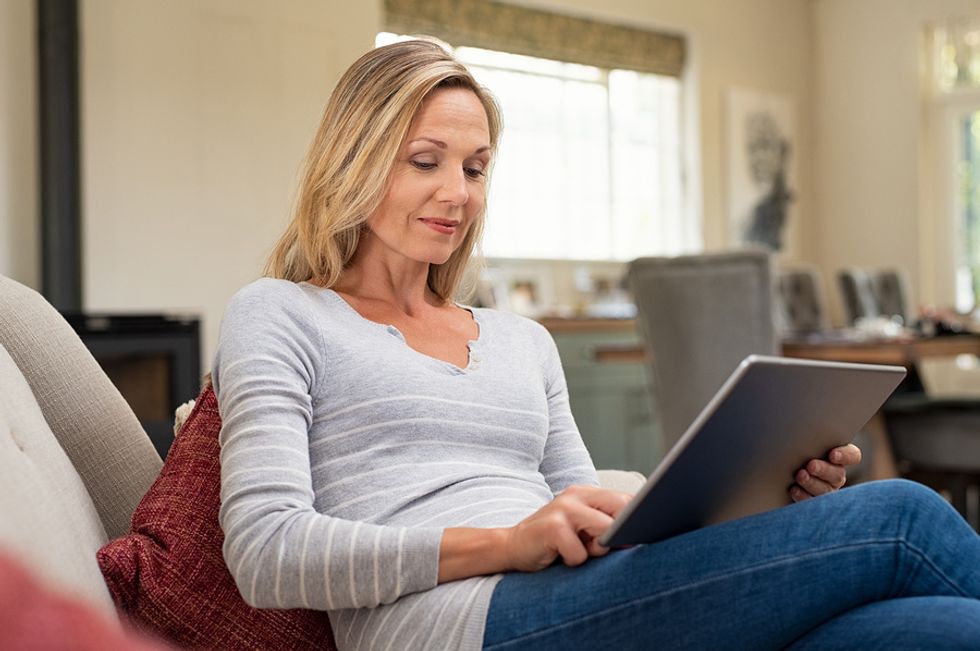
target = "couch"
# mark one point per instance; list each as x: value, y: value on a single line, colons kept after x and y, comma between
x: 74, y: 460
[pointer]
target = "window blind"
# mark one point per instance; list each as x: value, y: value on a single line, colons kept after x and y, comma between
x: 520, y: 30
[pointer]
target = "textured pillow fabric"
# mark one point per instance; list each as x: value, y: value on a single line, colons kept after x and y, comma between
x: 168, y: 574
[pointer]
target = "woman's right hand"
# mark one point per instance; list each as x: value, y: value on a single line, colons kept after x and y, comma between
x: 567, y: 527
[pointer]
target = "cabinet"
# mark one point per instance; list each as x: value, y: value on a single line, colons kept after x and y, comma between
x: 609, y: 394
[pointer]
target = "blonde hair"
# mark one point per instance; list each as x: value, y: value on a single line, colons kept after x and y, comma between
x: 346, y: 171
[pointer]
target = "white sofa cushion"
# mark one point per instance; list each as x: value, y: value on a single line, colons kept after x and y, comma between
x: 47, y: 518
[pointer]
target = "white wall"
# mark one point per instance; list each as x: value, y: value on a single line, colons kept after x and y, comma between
x: 19, y: 237
x: 196, y: 115
x: 873, y: 142
x: 195, y: 118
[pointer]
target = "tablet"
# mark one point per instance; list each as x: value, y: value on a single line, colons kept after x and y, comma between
x: 740, y: 454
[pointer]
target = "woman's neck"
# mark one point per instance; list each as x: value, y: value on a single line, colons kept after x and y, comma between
x: 400, y: 283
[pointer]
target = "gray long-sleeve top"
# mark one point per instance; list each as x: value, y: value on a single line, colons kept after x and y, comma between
x: 345, y: 454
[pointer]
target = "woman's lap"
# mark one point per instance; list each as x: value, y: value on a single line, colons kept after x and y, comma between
x: 760, y: 582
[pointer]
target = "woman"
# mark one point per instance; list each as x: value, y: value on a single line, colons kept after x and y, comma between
x: 412, y: 467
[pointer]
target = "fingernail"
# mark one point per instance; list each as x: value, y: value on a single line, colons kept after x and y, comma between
x: 835, y: 456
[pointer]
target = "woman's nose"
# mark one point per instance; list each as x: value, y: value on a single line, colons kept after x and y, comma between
x: 453, y: 188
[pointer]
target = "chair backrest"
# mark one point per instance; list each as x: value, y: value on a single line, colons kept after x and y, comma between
x: 801, y: 305
x: 90, y: 419
x: 891, y: 290
x: 857, y: 294
x: 869, y: 293
x: 700, y: 315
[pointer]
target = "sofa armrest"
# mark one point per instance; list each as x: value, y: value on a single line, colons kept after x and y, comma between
x: 628, y: 481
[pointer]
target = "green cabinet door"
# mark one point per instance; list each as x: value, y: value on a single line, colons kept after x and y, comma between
x: 611, y: 402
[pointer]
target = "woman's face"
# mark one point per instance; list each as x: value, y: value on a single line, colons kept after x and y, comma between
x: 438, y: 182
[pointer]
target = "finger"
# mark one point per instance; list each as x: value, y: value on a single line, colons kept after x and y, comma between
x: 606, y: 500
x: 797, y: 494
x: 585, y: 518
x: 596, y: 549
x: 836, y: 476
x: 811, y: 484
x: 846, y: 455
x: 570, y: 548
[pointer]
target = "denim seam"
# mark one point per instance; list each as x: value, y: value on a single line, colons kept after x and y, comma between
x: 706, y: 581
x: 927, y: 561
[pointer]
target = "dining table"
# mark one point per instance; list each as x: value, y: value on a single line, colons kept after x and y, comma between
x: 907, y: 350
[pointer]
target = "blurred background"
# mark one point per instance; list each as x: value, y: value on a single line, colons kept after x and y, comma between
x: 840, y: 136
x: 194, y: 115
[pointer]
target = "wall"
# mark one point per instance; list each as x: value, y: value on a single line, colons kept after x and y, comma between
x: 873, y: 154
x: 196, y: 116
x: 19, y: 239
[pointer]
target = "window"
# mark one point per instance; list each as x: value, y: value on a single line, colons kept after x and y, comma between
x: 954, y: 67
x: 590, y: 162
x: 968, y: 235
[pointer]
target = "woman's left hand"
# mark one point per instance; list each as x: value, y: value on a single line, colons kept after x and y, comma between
x: 820, y: 476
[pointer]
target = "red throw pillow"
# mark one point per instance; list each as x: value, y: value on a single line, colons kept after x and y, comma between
x: 168, y: 574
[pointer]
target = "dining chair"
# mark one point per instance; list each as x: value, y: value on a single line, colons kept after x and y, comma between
x: 700, y: 315
x: 891, y: 291
x: 872, y: 293
x: 800, y: 301
x: 857, y: 288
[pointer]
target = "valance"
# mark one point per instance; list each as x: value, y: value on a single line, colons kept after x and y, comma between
x: 520, y: 30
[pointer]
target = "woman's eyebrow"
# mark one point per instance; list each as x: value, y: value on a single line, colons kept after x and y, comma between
x: 442, y: 145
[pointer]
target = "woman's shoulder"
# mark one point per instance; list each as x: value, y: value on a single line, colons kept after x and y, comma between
x: 267, y: 289
x: 270, y: 300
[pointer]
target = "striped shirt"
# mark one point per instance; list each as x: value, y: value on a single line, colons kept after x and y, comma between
x: 345, y: 454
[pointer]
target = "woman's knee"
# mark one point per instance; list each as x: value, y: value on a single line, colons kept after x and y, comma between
x: 902, y: 500
x: 897, y: 491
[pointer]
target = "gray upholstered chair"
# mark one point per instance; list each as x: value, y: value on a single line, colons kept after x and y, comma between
x: 700, y: 316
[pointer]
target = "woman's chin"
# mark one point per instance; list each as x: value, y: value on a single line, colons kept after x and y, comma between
x: 438, y: 261
x: 439, y: 257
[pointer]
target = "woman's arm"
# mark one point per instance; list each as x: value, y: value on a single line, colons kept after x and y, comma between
x: 281, y: 552
x: 566, y: 461
x: 568, y: 527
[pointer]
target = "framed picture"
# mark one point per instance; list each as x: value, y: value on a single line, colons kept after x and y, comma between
x: 762, y: 176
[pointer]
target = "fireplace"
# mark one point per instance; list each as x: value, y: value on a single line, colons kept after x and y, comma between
x: 153, y: 359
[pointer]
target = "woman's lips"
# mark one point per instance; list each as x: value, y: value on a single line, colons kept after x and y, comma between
x: 444, y: 226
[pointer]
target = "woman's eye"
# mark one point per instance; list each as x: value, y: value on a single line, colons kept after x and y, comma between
x: 422, y: 165
x: 473, y: 172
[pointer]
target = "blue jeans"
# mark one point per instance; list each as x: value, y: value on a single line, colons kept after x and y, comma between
x: 884, y: 565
